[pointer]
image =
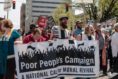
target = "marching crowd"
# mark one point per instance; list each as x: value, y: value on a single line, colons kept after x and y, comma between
x: 107, y: 41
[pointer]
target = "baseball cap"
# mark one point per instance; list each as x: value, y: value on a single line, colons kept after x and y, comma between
x: 33, y: 26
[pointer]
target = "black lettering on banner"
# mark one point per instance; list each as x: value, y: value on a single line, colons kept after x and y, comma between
x: 82, y: 44
x: 36, y: 75
x: 54, y: 60
x: 70, y: 69
x: 59, y: 70
x: 86, y: 70
x: 53, y: 72
x: 50, y: 44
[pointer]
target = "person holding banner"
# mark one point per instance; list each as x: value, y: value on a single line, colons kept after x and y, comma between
x: 89, y: 33
x: 34, y: 37
x: 8, y: 39
x: 61, y: 31
x: 32, y: 28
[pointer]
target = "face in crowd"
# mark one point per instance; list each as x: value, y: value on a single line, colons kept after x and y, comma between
x: 36, y: 33
x: 89, y: 30
x: 63, y: 22
x: 116, y: 27
x: 79, y: 24
x: 98, y: 28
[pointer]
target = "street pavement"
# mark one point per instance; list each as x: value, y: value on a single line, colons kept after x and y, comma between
x: 109, y: 76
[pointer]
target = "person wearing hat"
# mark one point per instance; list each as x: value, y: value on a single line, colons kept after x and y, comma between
x: 114, y: 46
x: 61, y: 31
x: 32, y: 28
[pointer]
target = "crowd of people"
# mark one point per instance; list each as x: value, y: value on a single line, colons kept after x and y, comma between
x: 107, y: 41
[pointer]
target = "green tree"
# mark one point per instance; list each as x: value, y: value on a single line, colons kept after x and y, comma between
x: 101, y: 10
x: 108, y: 9
x: 61, y: 10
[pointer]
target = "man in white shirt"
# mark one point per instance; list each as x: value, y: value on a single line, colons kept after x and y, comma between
x: 114, y: 46
x: 114, y: 41
x: 61, y: 31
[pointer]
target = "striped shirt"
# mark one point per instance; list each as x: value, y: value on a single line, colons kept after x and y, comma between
x: 56, y: 30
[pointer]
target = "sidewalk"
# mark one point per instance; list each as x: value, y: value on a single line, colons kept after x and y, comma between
x: 109, y: 76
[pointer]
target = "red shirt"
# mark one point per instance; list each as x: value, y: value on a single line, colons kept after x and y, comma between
x: 29, y: 38
x: 47, y: 37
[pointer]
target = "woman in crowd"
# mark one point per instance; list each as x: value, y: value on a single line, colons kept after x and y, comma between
x: 100, y: 36
x: 89, y: 33
x: 36, y: 36
x: 10, y: 36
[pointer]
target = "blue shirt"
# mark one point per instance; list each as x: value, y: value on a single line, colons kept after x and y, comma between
x: 6, y: 48
x: 77, y: 31
x: 3, y: 54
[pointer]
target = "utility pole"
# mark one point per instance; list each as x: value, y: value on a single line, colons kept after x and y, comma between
x: 7, y: 14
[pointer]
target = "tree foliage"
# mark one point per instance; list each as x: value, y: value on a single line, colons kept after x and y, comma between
x: 105, y: 10
x: 108, y: 9
x: 99, y: 10
x: 61, y: 10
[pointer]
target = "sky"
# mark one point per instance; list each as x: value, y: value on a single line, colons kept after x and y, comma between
x: 14, y: 14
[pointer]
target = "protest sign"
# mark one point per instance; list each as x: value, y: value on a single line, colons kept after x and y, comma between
x: 56, y: 59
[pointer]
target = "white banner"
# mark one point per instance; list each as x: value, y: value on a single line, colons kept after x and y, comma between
x: 56, y: 59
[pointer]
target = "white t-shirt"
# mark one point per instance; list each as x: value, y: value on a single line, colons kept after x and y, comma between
x: 85, y: 37
x: 114, y: 44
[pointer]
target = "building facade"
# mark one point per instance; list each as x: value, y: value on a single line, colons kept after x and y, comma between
x: 36, y: 8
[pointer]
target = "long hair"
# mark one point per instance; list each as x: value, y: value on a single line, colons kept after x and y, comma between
x: 7, y: 23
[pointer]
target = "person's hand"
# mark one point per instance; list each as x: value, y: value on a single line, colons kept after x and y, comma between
x: 18, y: 42
x: 30, y: 42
